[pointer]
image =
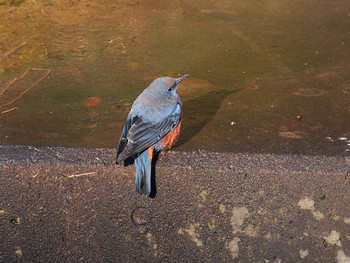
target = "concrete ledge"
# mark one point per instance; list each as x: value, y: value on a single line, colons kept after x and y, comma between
x: 254, y: 163
x: 71, y: 205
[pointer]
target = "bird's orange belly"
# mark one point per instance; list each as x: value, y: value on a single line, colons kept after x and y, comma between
x: 171, y: 138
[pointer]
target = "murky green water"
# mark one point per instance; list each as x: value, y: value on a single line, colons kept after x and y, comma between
x: 255, y: 67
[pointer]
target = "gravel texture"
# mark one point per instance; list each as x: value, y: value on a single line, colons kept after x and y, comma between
x: 75, y: 205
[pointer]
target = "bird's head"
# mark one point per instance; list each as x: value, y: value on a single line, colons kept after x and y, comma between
x: 167, y: 85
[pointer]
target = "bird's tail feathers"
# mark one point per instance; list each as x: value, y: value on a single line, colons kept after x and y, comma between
x: 143, y: 173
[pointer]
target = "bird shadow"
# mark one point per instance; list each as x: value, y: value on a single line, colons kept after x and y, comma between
x: 153, y: 175
x: 200, y: 111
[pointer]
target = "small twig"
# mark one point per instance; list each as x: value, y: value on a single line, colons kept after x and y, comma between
x: 83, y: 174
x: 13, y: 81
x: 9, y: 53
x: 7, y: 111
x: 40, y: 69
x: 29, y: 88
x: 21, y: 77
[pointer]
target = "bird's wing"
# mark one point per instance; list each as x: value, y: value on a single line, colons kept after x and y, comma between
x: 123, y: 138
x: 138, y: 134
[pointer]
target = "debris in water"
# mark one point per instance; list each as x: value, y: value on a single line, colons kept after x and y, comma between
x: 9, y: 53
x: 8, y: 111
x: 48, y: 71
x: 92, y: 102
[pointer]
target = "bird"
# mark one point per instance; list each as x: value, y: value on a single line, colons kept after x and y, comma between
x: 152, y: 125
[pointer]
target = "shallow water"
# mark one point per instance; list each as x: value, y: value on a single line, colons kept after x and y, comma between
x: 266, y: 76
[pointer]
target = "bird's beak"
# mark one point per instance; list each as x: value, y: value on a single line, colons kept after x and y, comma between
x: 178, y: 80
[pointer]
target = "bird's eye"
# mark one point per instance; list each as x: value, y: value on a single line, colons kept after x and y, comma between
x: 172, y: 87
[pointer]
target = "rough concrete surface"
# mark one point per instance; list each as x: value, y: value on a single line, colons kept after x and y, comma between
x: 74, y: 205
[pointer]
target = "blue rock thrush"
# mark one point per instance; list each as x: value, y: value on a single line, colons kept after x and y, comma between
x: 153, y: 125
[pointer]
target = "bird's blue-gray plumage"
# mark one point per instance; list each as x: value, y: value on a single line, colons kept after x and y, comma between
x: 155, y: 112
x: 143, y: 173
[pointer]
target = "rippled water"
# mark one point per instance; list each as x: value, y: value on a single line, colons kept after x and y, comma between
x: 266, y: 76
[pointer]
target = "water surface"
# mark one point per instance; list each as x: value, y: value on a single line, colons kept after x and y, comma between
x: 266, y: 76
